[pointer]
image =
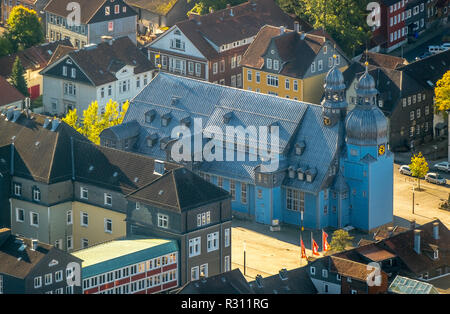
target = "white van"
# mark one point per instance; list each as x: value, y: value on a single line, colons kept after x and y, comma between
x: 435, y: 49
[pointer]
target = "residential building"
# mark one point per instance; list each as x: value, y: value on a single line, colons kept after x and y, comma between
x: 130, y: 266
x: 428, y: 72
x: 182, y: 206
x: 404, y: 285
x: 9, y: 95
x: 294, y: 281
x: 33, y: 60
x: 416, y: 16
x: 335, y: 275
x: 420, y: 253
x: 154, y: 15
x: 115, y: 70
x: 8, y: 5
x: 210, y: 47
x: 392, y: 32
x: 402, y: 99
x: 437, y: 12
x: 290, y: 64
x: 230, y: 282
x: 330, y: 173
x: 97, y: 18
x: 31, y: 267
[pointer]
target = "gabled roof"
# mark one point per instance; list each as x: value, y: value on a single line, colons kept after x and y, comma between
x: 295, y: 281
x: 60, y: 52
x: 160, y: 7
x: 382, y: 60
x: 230, y: 25
x: 113, y: 169
x: 16, y: 256
x: 101, y: 62
x: 88, y: 8
x: 297, y: 50
x: 179, y: 190
x: 31, y: 139
x: 33, y: 58
x: 349, y: 268
x: 429, y: 70
x: 9, y: 94
x: 231, y: 282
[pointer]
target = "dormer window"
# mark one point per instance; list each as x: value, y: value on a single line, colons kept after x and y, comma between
x: 269, y: 63
x: 150, y: 116
x: 74, y: 73
x: 300, y: 174
x: 186, y: 122
x: 227, y: 117
x: 36, y: 194
x: 276, y: 65
x: 300, y: 148
x: 164, y: 142
x: 165, y: 119
x: 311, y: 174
x: 151, y: 140
x: 291, y: 171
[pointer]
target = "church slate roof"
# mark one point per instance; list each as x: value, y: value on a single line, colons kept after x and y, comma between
x: 298, y: 122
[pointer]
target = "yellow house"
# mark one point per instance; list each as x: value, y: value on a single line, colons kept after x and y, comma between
x: 94, y: 224
x: 290, y: 64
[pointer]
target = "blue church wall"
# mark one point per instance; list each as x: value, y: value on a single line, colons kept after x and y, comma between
x: 294, y: 217
x: 381, y: 192
x: 262, y: 205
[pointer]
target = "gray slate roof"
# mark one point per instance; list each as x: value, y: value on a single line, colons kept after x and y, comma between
x: 297, y: 121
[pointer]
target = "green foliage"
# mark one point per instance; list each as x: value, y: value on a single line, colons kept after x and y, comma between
x: 6, y: 46
x: 24, y: 28
x: 93, y: 122
x: 340, y: 241
x: 419, y: 167
x: 17, y: 77
x: 345, y: 20
x: 442, y: 93
x: 204, y: 6
x: 37, y: 102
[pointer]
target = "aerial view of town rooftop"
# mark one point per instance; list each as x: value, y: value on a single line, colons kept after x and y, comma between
x: 224, y: 147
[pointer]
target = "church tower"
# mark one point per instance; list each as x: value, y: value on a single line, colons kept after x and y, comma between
x: 367, y: 164
x: 334, y: 105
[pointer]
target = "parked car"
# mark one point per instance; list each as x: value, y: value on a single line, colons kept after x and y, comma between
x: 435, y: 178
x: 435, y: 49
x: 405, y: 170
x: 443, y: 166
x: 445, y: 46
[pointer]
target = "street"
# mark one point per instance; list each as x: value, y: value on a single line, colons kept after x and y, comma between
x: 434, y: 41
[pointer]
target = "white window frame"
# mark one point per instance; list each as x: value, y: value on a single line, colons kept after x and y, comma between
x: 227, y: 237
x: 205, y: 270
x: 59, y: 276
x: 31, y: 219
x: 69, y: 242
x: 36, y: 194
x: 84, y: 190
x: 69, y: 220
x: 106, y: 221
x: 48, y: 279
x: 195, y: 246
x: 82, y: 220
x: 37, y: 282
x: 106, y: 197
x: 17, y: 189
x: 17, y: 214
x: 83, y: 240
x: 212, y: 242
x: 227, y: 264
x: 195, y: 273
x: 163, y: 221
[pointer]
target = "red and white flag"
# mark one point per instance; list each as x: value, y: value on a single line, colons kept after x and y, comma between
x: 314, y: 247
x: 325, y: 245
x: 303, y: 248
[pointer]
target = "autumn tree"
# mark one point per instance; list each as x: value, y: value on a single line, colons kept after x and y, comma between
x: 418, y: 166
x: 6, y: 47
x: 205, y: 6
x: 17, y: 77
x: 442, y: 93
x: 24, y: 28
x: 340, y: 241
x: 93, y: 122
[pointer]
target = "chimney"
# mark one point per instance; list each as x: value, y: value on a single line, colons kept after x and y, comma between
x: 390, y: 231
x: 297, y: 26
x: 436, y: 230
x: 34, y: 244
x: 417, y: 241
x: 281, y: 30
x: 412, y: 224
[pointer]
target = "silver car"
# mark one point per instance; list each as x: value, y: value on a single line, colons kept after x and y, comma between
x: 435, y: 178
x: 443, y: 166
x: 405, y: 170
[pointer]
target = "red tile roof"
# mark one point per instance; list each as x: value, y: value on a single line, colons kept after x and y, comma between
x: 8, y: 93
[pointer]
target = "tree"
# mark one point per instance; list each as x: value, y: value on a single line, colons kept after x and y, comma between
x: 6, y: 47
x: 442, y: 93
x: 344, y: 20
x: 340, y: 240
x: 418, y: 166
x: 93, y: 122
x: 17, y: 77
x: 24, y: 27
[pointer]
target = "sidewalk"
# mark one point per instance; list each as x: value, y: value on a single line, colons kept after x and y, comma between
x: 431, y: 154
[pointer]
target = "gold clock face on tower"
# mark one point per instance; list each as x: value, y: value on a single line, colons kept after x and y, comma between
x: 381, y: 150
x: 326, y: 121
